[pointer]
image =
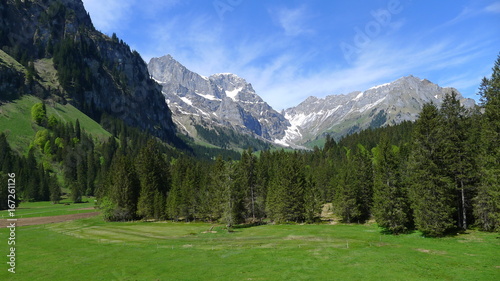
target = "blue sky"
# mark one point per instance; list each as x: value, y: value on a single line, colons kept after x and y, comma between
x: 290, y: 49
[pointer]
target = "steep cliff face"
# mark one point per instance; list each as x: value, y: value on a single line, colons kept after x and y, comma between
x: 96, y: 73
x: 222, y: 99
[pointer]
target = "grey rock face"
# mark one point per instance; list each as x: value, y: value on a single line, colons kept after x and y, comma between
x: 118, y: 79
x: 378, y: 106
x: 222, y: 99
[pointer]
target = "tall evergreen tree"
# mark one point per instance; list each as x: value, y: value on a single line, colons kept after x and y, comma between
x: 246, y: 180
x: 122, y: 190
x: 458, y: 155
x: 353, y: 191
x: 390, y: 199
x: 232, y: 197
x: 153, y: 174
x: 285, y: 199
x: 487, y: 201
x: 431, y: 192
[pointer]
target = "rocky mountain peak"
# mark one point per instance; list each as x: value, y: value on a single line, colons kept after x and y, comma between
x: 223, y: 99
x: 381, y: 105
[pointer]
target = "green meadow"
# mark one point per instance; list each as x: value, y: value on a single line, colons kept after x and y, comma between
x: 47, y: 209
x: 16, y: 121
x: 90, y: 249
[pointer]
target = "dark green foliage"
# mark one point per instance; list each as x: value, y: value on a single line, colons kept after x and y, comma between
x: 33, y: 181
x: 285, y: 198
x: 246, y: 181
x: 431, y: 191
x: 391, y: 208
x: 353, y: 186
x: 153, y: 173
x: 459, y: 157
x: 73, y: 72
x: 122, y: 190
x: 487, y: 201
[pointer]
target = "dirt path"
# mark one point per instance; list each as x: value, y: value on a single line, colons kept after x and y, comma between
x: 44, y: 220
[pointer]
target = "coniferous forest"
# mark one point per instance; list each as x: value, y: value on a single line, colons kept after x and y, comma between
x: 438, y: 175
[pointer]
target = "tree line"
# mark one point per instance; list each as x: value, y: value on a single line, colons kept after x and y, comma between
x: 436, y: 175
x: 444, y: 178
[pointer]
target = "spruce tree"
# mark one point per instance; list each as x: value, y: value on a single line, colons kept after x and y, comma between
x: 175, y: 204
x: 123, y: 189
x: 487, y: 201
x: 431, y: 191
x: 246, y: 180
x: 285, y: 199
x: 153, y: 174
x: 458, y: 155
x: 353, y: 186
x: 390, y: 199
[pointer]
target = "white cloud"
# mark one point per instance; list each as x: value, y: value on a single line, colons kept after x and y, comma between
x: 281, y: 73
x: 116, y: 15
x: 493, y: 8
x: 382, y: 63
x: 293, y: 21
x: 109, y: 15
x: 282, y: 80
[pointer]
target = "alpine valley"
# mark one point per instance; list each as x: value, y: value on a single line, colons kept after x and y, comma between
x: 225, y: 103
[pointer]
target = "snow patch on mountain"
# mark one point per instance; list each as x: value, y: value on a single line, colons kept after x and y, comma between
x: 379, y: 86
x: 358, y: 96
x: 186, y: 100
x: 232, y: 94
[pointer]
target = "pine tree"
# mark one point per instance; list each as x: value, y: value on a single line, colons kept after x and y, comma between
x: 246, y: 179
x: 78, y: 130
x: 353, y: 190
x: 458, y: 157
x: 153, y: 174
x: 390, y: 199
x: 487, y: 201
x: 174, y: 202
x: 312, y: 200
x: 232, y: 197
x: 263, y: 176
x: 78, y: 186
x: 285, y: 199
x: 431, y: 191
x: 122, y: 190
x: 218, y: 180
x: 31, y: 188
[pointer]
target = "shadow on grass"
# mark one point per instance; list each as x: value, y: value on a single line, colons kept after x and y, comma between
x: 388, y: 232
x: 248, y: 225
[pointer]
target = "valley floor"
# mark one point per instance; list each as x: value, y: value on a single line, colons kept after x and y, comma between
x: 90, y: 249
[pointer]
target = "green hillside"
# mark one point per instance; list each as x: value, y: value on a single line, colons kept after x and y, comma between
x: 15, y: 121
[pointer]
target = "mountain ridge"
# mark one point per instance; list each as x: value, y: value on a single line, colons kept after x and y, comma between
x: 222, y: 99
x: 225, y: 99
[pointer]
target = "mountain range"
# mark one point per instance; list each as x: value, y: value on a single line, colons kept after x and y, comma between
x: 226, y: 100
x: 52, y: 50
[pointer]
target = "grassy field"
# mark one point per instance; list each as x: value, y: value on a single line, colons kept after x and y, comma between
x: 90, y: 249
x: 45, y: 209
